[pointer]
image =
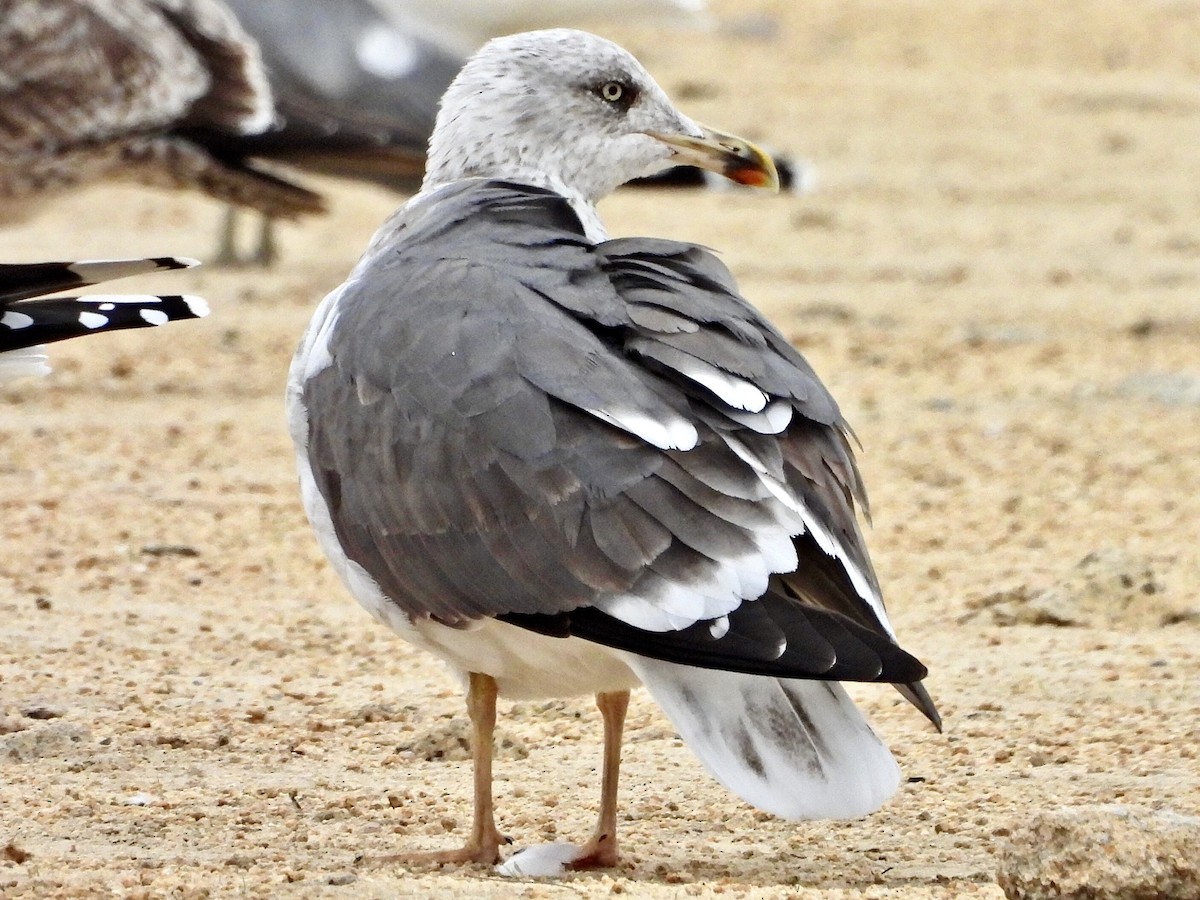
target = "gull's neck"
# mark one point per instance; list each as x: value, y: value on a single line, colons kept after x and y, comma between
x: 584, y: 208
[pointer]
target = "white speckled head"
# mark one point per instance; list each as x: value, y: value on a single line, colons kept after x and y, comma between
x: 558, y: 108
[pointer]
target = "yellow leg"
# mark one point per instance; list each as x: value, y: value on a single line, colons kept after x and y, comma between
x: 483, y: 845
x: 601, y: 850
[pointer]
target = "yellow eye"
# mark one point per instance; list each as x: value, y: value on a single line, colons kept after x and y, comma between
x: 612, y: 91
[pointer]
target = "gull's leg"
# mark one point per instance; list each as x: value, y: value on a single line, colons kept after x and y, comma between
x: 483, y: 845
x: 601, y: 850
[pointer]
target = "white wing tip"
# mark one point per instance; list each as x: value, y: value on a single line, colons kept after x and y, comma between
x: 673, y: 434
x: 198, y: 305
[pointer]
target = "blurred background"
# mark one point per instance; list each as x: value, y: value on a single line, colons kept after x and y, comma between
x: 992, y: 258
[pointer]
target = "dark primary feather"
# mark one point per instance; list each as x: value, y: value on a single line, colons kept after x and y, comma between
x: 468, y: 347
x: 21, y: 280
x: 26, y: 322
x: 816, y: 644
x: 58, y: 318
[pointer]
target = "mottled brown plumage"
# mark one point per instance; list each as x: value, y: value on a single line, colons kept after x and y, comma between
x: 94, y: 89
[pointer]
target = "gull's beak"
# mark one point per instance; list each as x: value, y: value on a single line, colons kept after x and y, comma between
x: 726, y: 154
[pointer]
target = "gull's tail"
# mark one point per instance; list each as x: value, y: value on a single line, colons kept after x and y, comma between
x: 797, y: 749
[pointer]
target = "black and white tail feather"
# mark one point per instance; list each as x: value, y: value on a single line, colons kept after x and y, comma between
x: 29, y: 320
x: 796, y: 749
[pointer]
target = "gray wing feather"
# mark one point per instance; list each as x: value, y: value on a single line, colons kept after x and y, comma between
x: 484, y: 327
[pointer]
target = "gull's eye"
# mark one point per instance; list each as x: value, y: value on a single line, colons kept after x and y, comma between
x: 617, y: 93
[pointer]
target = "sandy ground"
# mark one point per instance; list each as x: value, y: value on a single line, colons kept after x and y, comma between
x: 998, y: 278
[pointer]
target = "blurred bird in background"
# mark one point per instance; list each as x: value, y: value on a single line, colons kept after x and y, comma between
x: 132, y: 89
x: 357, y: 83
x: 230, y: 97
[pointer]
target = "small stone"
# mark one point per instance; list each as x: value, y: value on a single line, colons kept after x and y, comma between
x: 1108, y: 588
x: 55, y: 739
x: 342, y: 878
x: 42, y: 713
x: 1167, y: 388
x: 170, y: 550
x: 15, y: 854
x: 1108, y: 852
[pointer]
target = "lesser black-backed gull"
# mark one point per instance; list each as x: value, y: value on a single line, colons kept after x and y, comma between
x: 567, y: 464
x: 29, y: 320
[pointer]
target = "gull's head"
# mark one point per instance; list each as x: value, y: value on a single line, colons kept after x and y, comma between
x: 569, y: 110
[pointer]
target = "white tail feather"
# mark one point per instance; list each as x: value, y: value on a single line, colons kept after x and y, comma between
x: 797, y: 749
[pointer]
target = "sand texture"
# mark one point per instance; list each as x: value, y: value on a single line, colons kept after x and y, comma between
x: 998, y: 276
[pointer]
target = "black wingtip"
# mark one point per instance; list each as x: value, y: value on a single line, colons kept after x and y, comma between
x: 174, y: 262
x: 818, y: 644
x: 915, y: 693
x: 44, y: 321
x: 21, y: 281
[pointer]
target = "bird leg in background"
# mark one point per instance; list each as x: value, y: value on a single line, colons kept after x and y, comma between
x: 266, y: 254
x: 226, y: 255
x: 483, y: 846
x: 601, y: 850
